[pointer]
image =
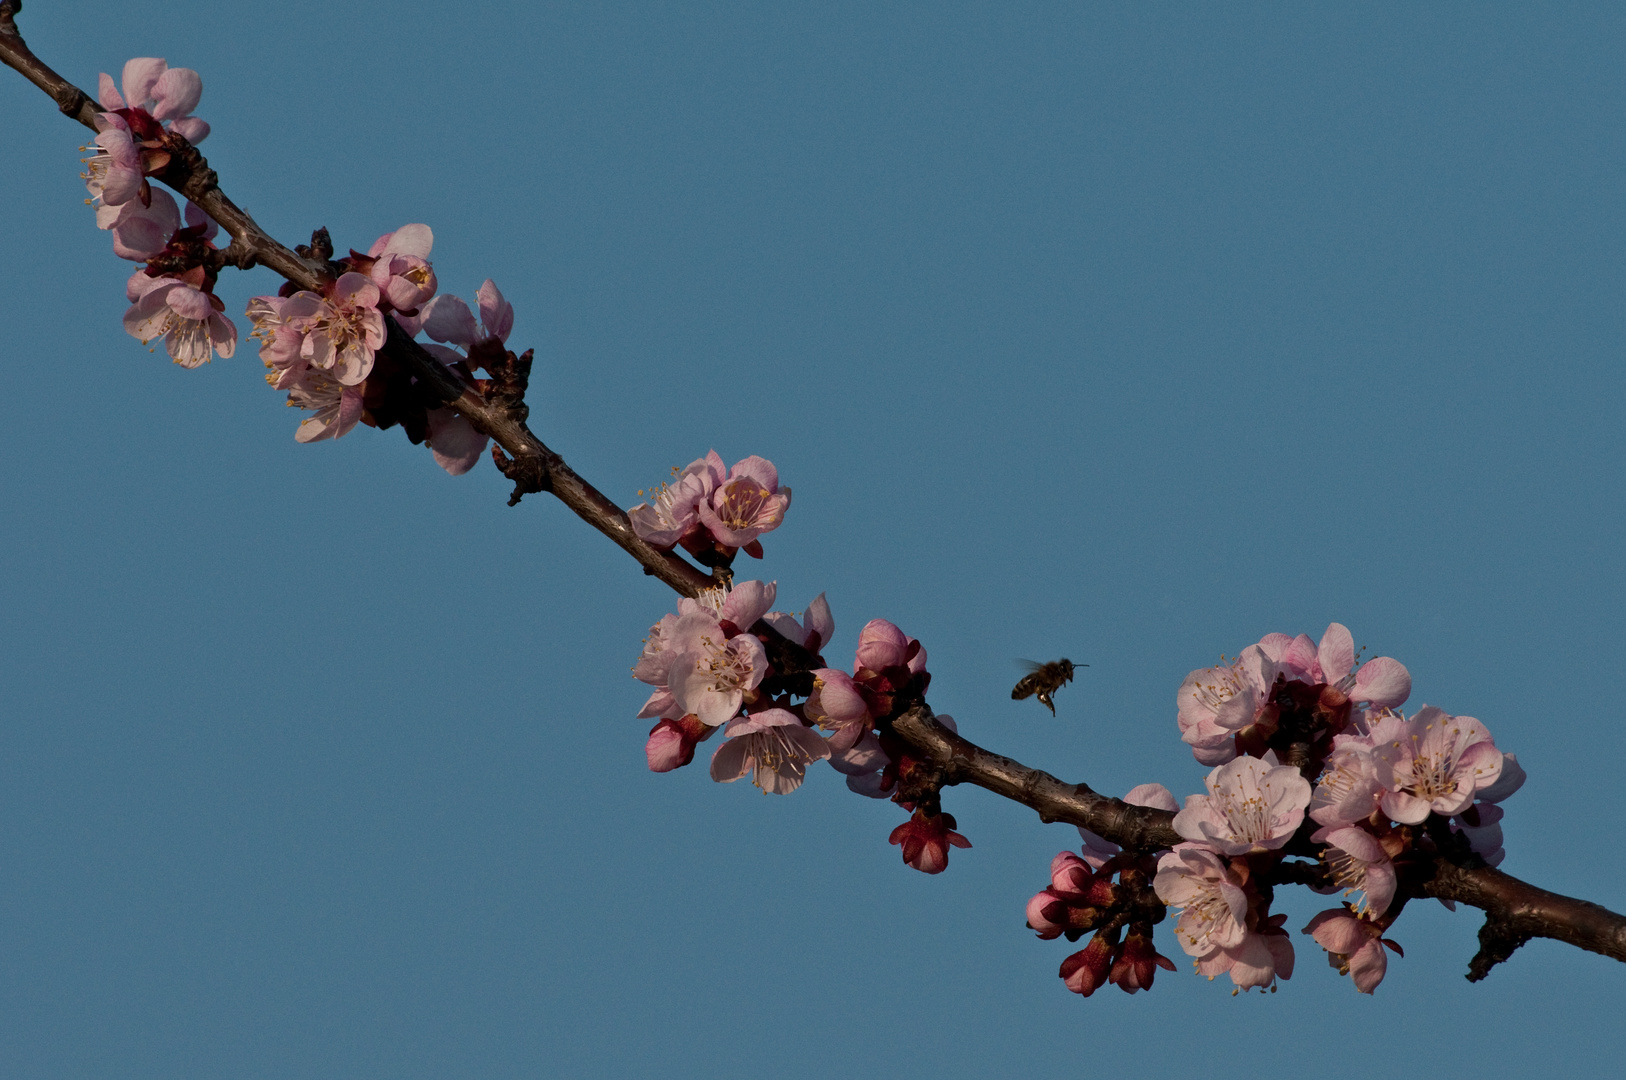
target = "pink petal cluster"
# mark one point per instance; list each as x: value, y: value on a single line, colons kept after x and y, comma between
x: 401, y: 270
x: 1222, y: 923
x: 1354, y: 946
x: 773, y: 745
x: 813, y: 632
x: 187, y: 316
x: 177, y: 303
x: 848, y: 706
x: 450, y: 320
x: 1252, y: 805
x: 321, y: 350
x: 1435, y: 763
x: 1218, y: 706
x: 131, y: 134
x: 706, y: 507
x: 456, y: 444
x: 1390, y: 771
x: 155, y: 89
x: 700, y: 661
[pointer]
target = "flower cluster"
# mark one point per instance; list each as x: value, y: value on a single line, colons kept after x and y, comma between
x: 709, y: 670
x: 172, y: 297
x: 712, y: 511
x: 1388, y: 789
x: 139, y: 131
x: 324, y: 347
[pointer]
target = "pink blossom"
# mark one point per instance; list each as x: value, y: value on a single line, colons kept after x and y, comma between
x: 1354, y: 946
x: 736, y: 608
x: 187, y: 318
x: 925, y: 840
x: 1097, y: 850
x: 280, y: 324
x: 1382, y: 681
x: 703, y: 625
x: 837, y: 707
x: 337, y: 407
x: 1213, y: 906
x: 131, y: 134
x: 401, y: 270
x: 714, y: 613
x: 164, y: 93
x: 672, y: 512
x: 771, y: 744
x: 672, y: 742
x: 141, y: 232
x: 1358, y: 863
x: 114, y: 174
x: 1217, y: 702
x: 448, y: 319
x: 881, y: 645
x: 1251, y: 805
x: 1348, y: 789
x: 1264, y: 956
x: 347, y: 330
x: 746, y: 505
x: 813, y: 632
x: 708, y: 674
x: 745, y: 603
x: 1435, y: 763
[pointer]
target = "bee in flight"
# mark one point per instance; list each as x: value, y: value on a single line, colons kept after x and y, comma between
x: 1043, y: 680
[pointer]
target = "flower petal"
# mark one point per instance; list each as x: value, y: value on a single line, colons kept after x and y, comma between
x: 496, y: 314
x: 140, y: 74
x: 456, y: 445
x: 177, y: 92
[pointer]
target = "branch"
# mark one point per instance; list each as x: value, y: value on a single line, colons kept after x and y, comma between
x: 1135, y: 828
x: 1515, y: 910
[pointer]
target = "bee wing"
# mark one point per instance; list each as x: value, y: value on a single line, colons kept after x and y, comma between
x: 1030, y: 666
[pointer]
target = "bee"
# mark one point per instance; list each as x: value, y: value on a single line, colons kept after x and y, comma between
x: 1043, y: 680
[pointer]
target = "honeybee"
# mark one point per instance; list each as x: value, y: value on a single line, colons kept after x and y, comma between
x: 1043, y: 680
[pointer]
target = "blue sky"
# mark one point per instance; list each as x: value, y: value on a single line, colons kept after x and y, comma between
x: 1121, y: 334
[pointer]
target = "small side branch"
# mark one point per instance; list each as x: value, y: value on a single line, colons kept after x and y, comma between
x: 1516, y: 911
